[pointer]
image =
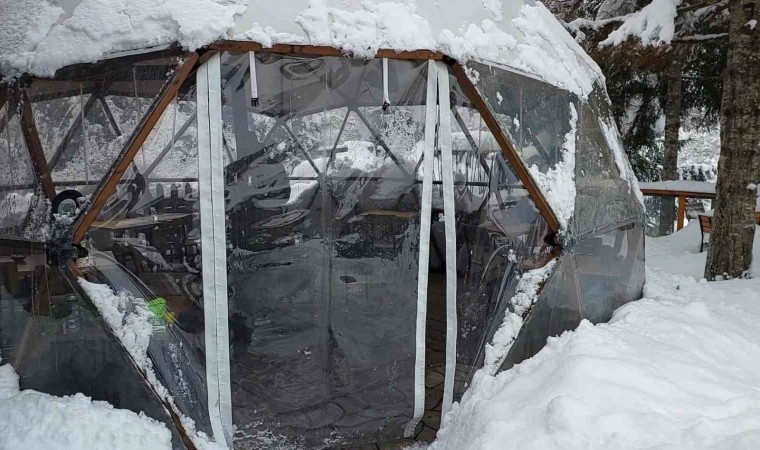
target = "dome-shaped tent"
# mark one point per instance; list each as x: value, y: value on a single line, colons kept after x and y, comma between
x: 333, y: 212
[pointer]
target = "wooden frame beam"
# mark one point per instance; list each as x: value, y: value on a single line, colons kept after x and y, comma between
x: 681, y: 196
x: 34, y: 147
x: 133, y: 146
x: 507, y: 149
x: 666, y: 193
x: 320, y: 50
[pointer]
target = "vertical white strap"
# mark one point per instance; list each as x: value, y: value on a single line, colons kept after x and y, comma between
x: 386, y: 97
x: 220, y: 241
x: 254, y: 80
x: 84, y: 136
x: 424, y: 257
x: 208, y: 159
x: 444, y: 142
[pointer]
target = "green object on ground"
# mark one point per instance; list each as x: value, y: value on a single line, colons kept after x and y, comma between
x: 158, y: 307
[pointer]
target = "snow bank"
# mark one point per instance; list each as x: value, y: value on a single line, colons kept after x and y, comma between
x: 521, y: 34
x: 678, y: 369
x: 34, y: 420
x: 558, y: 184
x: 679, y: 253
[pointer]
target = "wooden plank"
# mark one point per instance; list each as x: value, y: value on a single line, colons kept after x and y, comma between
x: 681, y: 212
x: 666, y: 193
x: 507, y: 149
x: 34, y: 147
x: 320, y: 50
x: 133, y: 146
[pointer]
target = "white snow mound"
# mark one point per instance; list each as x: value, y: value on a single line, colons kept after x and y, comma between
x: 679, y: 369
x: 33, y: 420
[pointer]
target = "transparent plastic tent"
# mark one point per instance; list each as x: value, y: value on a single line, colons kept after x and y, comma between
x: 328, y: 243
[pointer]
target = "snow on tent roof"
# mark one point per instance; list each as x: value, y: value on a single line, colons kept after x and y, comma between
x: 45, y: 35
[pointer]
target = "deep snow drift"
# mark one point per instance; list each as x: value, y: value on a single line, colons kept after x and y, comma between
x: 32, y: 420
x: 679, y: 369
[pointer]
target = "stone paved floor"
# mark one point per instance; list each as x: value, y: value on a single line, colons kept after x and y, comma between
x: 435, y: 361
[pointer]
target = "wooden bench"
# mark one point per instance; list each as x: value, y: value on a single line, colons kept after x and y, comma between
x: 705, y: 227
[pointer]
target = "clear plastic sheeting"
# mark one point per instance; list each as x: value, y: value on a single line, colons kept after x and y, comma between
x: 56, y: 341
x: 534, y: 115
x: 604, y: 195
x: 147, y: 241
x: 323, y: 233
x: 499, y: 234
x: 24, y: 210
x: 602, y: 273
x: 87, y: 113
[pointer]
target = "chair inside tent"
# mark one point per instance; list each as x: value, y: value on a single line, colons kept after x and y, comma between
x: 290, y: 247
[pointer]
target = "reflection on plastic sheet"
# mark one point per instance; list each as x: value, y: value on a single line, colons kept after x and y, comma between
x: 600, y: 274
x: 533, y: 114
x: 604, y: 198
x: 500, y: 233
x: 323, y: 227
x: 147, y: 241
x: 57, y: 342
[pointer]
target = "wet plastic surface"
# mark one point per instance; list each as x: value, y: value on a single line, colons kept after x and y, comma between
x: 147, y: 241
x: 56, y: 341
x: 323, y: 231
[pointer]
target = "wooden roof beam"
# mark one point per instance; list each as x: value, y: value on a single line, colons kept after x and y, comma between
x: 133, y: 146
x: 34, y: 146
x: 320, y: 50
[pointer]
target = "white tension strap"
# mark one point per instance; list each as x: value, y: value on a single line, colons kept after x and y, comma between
x: 428, y: 158
x: 444, y: 143
x: 254, y: 80
x: 213, y: 242
x: 386, y: 97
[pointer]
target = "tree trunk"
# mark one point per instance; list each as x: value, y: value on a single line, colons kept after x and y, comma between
x: 730, y: 252
x: 672, y: 126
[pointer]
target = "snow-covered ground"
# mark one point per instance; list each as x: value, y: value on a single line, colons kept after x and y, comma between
x: 31, y: 420
x: 679, y: 369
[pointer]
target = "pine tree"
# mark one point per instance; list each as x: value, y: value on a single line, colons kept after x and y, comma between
x: 730, y: 252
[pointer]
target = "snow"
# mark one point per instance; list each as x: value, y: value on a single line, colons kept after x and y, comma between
x: 46, y: 38
x: 558, y: 183
x: 131, y: 321
x: 654, y: 24
x: 127, y: 316
x: 35, y: 421
x: 701, y: 187
x: 523, y: 35
x: 526, y: 294
x: 678, y: 369
x: 679, y: 253
x: 548, y: 51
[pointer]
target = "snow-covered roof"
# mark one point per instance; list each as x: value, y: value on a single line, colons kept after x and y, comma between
x: 41, y: 36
